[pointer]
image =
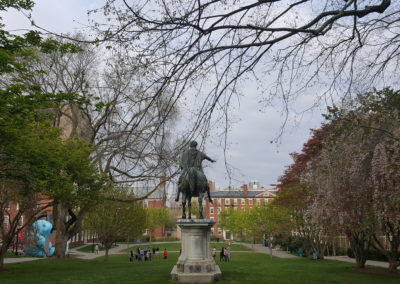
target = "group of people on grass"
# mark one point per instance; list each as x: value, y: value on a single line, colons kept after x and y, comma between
x: 146, y: 254
x: 224, y: 254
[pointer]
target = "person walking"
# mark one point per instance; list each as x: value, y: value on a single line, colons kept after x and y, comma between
x: 221, y: 254
x: 96, y: 249
x: 131, y: 256
x: 225, y: 256
x: 228, y: 254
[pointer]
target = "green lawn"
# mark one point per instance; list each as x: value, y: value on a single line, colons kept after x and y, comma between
x: 11, y: 254
x: 243, y: 268
x: 177, y: 246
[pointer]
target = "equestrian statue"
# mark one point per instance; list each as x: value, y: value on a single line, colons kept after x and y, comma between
x: 193, y: 182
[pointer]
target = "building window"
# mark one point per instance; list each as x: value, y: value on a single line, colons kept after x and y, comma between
x: 235, y: 202
x: 243, y: 201
x: 211, y: 210
x: 212, y: 218
x: 219, y: 201
x: 219, y: 210
x: 250, y: 201
x: 227, y: 201
x: 258, y: 201
x: 145, y: 204
x: 219, y: 231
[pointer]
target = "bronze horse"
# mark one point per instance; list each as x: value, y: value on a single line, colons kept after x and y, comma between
x: 189, y: 189
x: 193, y: 182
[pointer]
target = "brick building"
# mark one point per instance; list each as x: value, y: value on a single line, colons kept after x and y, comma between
x: 156, y: 199
x: 237, y: 199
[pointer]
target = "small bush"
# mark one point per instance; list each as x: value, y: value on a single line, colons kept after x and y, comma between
x: 371, y: 255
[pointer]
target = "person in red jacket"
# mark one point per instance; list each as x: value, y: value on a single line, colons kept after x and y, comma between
x: 165, y: 253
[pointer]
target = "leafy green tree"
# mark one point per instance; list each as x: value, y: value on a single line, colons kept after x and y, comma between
x: 270, y: 220
x: 156, y: 217
x: 33, y: 158
x: 112, y: 220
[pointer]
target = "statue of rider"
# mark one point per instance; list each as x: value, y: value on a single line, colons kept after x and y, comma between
x: 191, y: 162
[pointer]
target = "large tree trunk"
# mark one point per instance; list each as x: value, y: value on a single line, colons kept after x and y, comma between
x: 60, y: 214
x: 3, y: 250
x: 106, y: 255
x: 392, y: 254
x: 393, y: 264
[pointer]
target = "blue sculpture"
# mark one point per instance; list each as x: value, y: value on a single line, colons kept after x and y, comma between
x: 42, y: 230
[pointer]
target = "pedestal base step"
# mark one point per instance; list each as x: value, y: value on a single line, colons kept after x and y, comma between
x: 208, y: 277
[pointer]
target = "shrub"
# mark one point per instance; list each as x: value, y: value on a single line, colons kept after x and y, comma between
x: 371, y: 255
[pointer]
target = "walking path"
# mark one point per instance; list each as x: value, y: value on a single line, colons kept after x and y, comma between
x: 284, y: 254
x: 20, y: 259
x: 262, y: 249
x: 352, y: 260
x: 90, y: 255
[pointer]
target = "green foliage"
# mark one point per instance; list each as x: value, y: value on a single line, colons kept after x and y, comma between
x: 257, y: 222
x: 156, y: 217
x: 112, y: 220
x: 17, y: 4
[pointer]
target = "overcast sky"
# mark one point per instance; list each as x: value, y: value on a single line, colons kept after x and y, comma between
x: 250, y: 152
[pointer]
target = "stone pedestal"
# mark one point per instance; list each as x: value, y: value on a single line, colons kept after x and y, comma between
x: 196, y: 264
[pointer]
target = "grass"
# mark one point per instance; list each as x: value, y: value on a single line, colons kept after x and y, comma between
x: 243, y: 268
x: 177, y: 246
x: 11, y: 254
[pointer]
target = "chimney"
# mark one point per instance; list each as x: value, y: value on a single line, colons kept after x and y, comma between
x: 245, y: 189
x: 162, y: 182
x: 211, y: 185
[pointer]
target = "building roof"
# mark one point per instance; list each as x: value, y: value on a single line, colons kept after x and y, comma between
x: 140, y: 191
x: 241, y: 194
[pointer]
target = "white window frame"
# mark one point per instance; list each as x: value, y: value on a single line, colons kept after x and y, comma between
x: 250, y: 201
x: 235, y: 201
x: 212, y: 210
x: 227, y: 201
x: 243, y: 201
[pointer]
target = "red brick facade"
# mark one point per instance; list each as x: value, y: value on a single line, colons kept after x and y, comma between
x: 235, y: 198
